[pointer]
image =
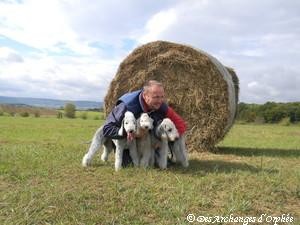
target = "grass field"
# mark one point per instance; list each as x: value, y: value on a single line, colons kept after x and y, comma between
x: 256, y: 171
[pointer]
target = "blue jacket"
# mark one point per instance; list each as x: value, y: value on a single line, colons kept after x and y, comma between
x: 130, y: 102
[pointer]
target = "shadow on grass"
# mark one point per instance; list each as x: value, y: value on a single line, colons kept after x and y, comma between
x: 196, y: 166
x: 259, y: 152
x: 218, y: 166
x: 222, y: 166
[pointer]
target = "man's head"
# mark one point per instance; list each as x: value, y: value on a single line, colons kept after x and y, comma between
x: 153, y: 94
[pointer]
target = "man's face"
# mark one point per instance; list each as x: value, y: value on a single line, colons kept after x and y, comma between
x: 154, y: 97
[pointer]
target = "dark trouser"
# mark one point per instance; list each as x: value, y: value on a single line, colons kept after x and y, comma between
x: 127, y: 160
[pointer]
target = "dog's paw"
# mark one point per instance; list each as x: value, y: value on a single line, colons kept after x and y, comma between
x: 85, y: 162
x: 104, y: 157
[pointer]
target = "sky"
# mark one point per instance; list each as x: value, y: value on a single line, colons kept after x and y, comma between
x: 71, y: 49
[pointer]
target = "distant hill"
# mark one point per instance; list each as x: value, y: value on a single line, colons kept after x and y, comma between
x: 49, y: 103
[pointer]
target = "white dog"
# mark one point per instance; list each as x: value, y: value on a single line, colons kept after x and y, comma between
x: 167, y: 132
x: 143, y: 140
x: 129, y: 125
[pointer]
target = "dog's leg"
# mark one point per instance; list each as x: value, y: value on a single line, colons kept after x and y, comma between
x: 147, y: 152
x: 163, y: 155
x: 153, y: 146
x: 152, y: 157
x: 182, y: 147
x: 119, y: 154
x: 173, y: 152
x: 146, y: 159
x: 180, y: 152
x: 107, y: 149
x: 133, y: 153
x: 97, y: 141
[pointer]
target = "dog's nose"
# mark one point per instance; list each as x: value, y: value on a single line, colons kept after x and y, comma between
x: 131, y: 131
x: 146, y: 127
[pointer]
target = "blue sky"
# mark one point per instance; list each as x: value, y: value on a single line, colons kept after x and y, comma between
x: 71, y: 49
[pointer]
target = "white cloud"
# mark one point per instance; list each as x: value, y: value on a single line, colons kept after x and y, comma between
x: 157, y: 24
x: 71, y: 49
x: 40, y: 24
x: 8, y: 55
x: 60, y: 77
x: 253, y: 84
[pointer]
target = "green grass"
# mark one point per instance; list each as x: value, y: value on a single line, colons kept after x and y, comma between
x: 264, y: 136
x: 255, y: 171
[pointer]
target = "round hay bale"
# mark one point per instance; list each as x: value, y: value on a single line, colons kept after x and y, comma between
x: 197, y: 86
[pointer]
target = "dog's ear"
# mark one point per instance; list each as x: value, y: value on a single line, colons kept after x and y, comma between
x: 151, y: 122
x: 162, y: 133
x: 120, y: 132
x: 158, y: 131
x: 138, y: 122
x: 137, y: 126
x: 164, y: 136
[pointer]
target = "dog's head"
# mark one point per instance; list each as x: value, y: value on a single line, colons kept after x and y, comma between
x: 145, y: 122
x: 128, y: 123
x: 167, y: 130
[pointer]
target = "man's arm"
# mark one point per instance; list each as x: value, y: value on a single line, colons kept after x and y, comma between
x: 177, y: 120
x: 114, y: 121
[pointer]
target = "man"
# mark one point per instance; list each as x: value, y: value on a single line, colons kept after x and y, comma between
x: 151, y: 100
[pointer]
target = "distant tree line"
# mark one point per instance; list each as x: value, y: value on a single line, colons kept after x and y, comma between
x: 25, y: 110
x: 269, y: 112
x: 68, y: 111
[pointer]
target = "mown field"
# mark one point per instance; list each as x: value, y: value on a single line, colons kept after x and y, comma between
x: 256, y: 172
